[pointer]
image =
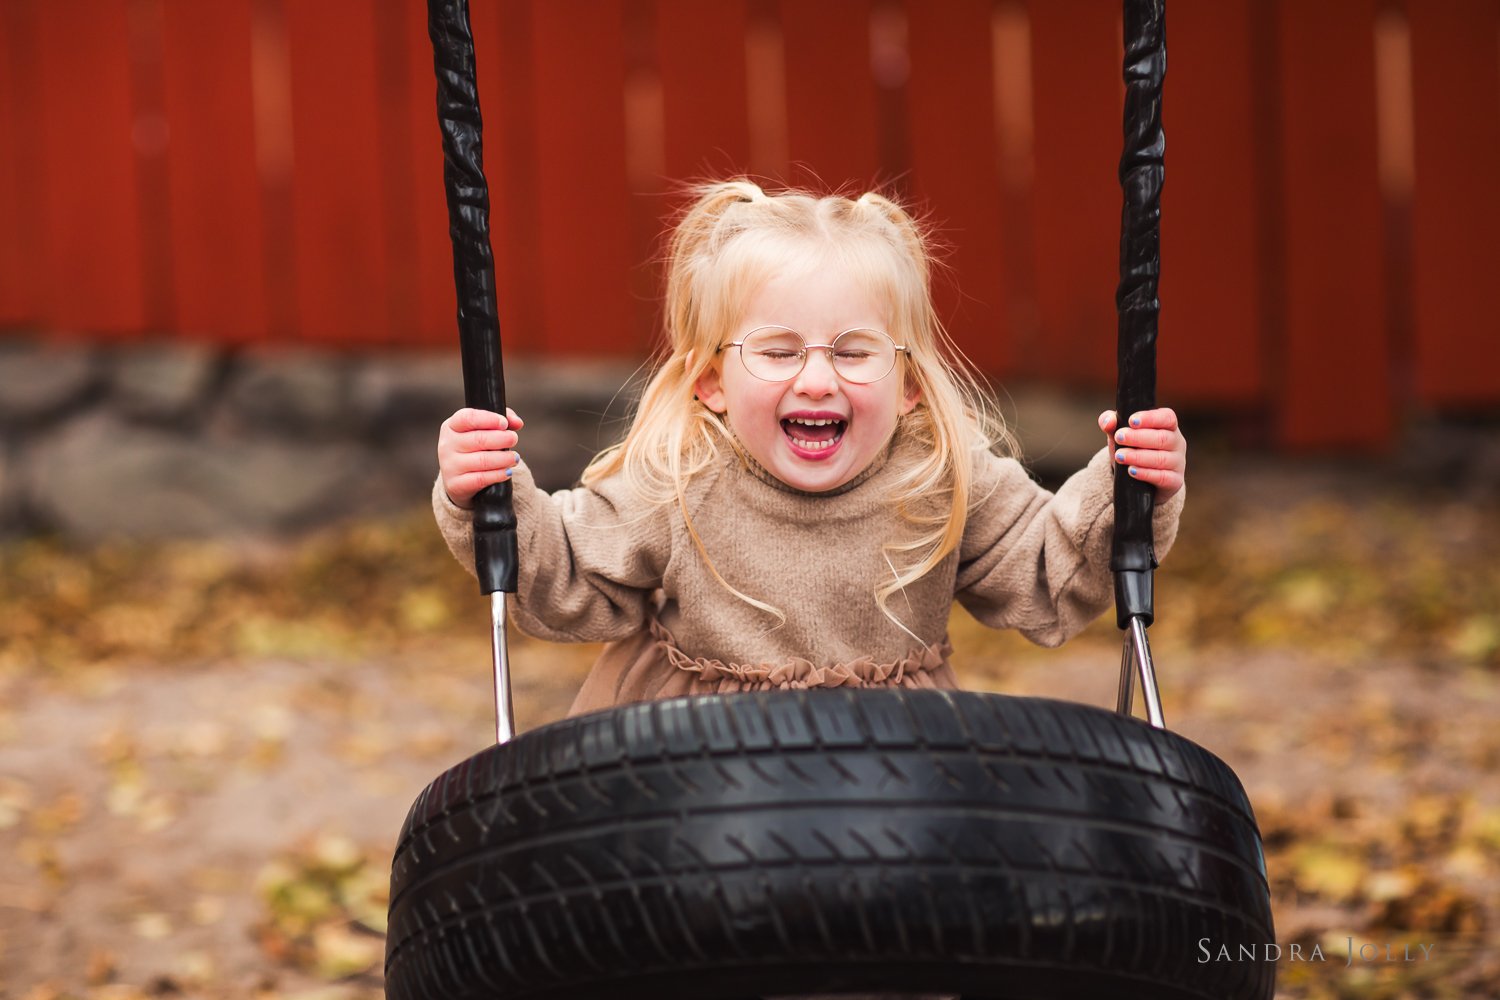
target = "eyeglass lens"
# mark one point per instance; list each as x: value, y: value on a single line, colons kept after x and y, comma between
x: 775, y: 355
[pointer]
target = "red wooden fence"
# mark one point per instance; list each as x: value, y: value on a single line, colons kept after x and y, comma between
x: 269, y: 171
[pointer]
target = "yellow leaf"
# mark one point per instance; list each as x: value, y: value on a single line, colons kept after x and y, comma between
x: 367, y: 897
x: 65, y: 811
x: 207, y: 910
x: 1384, y: 886
x: 1477, y: 639
x: 336, y: 854
x: 152, y: 926
x: 425, y: 609
x: 195, y: 967
x: 1328, y: 870
x: 1467, y: 863
x: 341, y: 952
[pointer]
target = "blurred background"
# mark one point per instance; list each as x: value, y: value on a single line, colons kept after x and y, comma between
x: 233, y: 648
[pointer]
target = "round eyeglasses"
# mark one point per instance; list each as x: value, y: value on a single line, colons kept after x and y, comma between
x: 776, y: 354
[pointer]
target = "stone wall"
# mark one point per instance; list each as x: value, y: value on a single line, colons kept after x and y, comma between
x: 181, y: 440
x: 175, y: 439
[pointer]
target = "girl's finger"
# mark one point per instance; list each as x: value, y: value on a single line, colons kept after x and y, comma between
x: 1149, y: 458
x: 471, y: 483
x: 1128, y: 437
x: 1107, y: 425
x: 513, y: 421
x: 469, y: 419
x: 482, y: 461
x: 1167, y: 482
x: 1162, y: 418
x: 471, y: 441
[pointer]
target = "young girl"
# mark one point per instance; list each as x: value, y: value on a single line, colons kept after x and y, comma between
x: 808, y: 483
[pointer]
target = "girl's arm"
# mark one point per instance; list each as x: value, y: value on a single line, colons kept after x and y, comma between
x: 590, y: 559
x: 1037, y: 561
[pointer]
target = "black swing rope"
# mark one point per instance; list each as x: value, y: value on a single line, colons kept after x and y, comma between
x: 1133, y: 556
x: 468, y: 196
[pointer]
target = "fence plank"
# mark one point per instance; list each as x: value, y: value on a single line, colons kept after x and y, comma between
x: 21, y: 173
x: 215, y: 198
x: 1211, y: 273
x: 1456, y: 205
x: 1076, y: 79
x: 1336, y: 384
x: 955, y: 170
x: 396, y: 158
x: 93, y: 275
x: 832, y: 124
x: 581, y: 190
x: 701, y: 60
x: 437, y: 307
x: 337, y: 198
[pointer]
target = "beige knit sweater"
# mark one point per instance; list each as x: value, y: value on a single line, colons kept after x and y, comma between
x: 601, y: 564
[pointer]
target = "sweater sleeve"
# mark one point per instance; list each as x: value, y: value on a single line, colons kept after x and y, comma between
x: 590, y: 558
x: 1038, y: 562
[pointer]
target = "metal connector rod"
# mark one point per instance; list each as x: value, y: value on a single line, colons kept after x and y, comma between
x: 1127, y: 678
x: 505, y: 716
x: 1138, y: 649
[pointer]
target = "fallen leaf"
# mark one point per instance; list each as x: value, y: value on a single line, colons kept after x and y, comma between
x: 1384, y: 886
x: 63, y: 812
x: 152, y: 926
x: 195, y: 968
x: 336, y: 855
x: 1329, y: 870
x: 208, y: 910
x: 341, y: 952
x: 101, y: 967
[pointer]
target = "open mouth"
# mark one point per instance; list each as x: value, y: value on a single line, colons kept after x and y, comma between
x: 810, y: 434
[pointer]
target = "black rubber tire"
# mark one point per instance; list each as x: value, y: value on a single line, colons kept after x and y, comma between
x: 832, y: 841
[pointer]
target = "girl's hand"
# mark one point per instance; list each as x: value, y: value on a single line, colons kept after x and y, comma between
x: 475, y: 450
x: 1151, y: 447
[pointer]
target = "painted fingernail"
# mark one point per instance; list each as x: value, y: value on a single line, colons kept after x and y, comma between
x: 1134, y: 471
x: 1120, y: 435
x: 1121, y: 456
x: 1135, y: 421
x: 509, y: 473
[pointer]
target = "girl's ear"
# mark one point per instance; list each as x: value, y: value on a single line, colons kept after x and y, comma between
x: 912, y: 396
x: 710, y: 388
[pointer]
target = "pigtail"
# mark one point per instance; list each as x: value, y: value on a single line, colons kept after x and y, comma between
x: 695, y: 241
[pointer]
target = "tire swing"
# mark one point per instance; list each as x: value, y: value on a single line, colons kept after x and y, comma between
x: 855, y: 842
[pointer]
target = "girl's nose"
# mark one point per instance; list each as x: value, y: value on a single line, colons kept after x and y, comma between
x: 817, y: 378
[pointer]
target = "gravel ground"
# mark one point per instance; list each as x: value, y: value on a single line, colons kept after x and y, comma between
x: 218, y: 822
x: 152, y: 811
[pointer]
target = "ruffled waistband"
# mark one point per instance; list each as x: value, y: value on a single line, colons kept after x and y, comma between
x: 921, y: 668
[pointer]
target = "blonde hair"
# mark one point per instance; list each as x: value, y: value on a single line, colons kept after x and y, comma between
x: 728, y: 242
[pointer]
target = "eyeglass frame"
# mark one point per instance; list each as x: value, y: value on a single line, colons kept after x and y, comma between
x: 806, y: 347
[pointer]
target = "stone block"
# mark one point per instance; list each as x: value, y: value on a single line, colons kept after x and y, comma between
x: 392, y: 393
x: 301, y: 392
x: 163, y: 381
x: 101, y: 476
x: 1058, y: 431
x: 38, y: 381
x: 10, y: 492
